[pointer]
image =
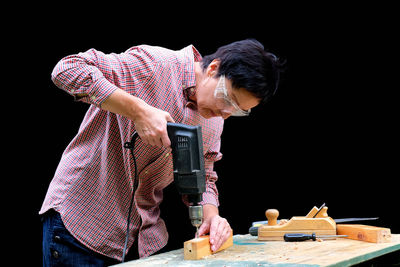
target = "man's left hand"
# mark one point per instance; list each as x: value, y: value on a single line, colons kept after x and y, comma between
x: 219, y: 230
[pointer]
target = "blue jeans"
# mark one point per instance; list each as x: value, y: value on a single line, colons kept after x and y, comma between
x: 60, y: 248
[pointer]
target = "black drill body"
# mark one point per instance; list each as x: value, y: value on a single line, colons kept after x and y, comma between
x: 188, y: 164
x: 189, y: 172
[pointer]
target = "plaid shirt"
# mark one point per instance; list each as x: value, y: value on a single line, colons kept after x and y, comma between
x: 93, y: 183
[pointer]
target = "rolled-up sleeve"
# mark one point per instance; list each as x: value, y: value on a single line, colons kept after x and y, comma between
x: 92, y: 76
x: 80, y: 76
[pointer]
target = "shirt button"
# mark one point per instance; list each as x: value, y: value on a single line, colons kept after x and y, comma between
x: 146, y: 172
x: 55, y: 254
x: 93, y: 97
x: 166, y: 155
x: 57, y: 238
x: 72, y: 90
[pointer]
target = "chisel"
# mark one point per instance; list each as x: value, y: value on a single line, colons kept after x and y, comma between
x: 303, y: 237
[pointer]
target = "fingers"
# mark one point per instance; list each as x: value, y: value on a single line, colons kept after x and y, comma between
x: 152, y: 129
x: 220, y: 231
x: 204, y: 228
x: 169, y: 118
x: 225, y: 233
x: 165, y: 139
x: 151, y: 137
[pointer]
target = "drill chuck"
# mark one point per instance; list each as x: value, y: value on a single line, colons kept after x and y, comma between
x: 196, y: 215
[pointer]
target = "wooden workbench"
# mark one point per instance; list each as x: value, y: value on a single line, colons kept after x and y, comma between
x: 247, y: 251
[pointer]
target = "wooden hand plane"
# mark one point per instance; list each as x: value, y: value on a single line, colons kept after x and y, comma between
x: 316, y: 221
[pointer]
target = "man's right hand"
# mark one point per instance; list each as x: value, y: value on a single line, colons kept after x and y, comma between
x: 151, y: 125
x: 150, y: 122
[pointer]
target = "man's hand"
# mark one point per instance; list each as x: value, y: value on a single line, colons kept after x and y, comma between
x: 150, y: 122
x: 151, y: 126
x: 218, y: 227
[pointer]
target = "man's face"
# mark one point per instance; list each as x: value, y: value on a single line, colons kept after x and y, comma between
x: 213, y: 104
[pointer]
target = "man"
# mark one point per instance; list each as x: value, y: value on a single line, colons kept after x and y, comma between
x: 87, y: 204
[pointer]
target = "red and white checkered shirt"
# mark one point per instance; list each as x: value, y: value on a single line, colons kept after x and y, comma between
x: 93, y: 183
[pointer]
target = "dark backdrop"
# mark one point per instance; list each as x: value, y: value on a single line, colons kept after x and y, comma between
x: 328, y: 136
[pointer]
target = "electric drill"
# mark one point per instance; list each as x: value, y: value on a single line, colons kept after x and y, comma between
x: 188, y: 164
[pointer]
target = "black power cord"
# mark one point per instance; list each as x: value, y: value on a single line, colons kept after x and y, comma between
x: 130, y: 145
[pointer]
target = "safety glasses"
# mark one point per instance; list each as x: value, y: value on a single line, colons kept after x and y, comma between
x: 225, y: 103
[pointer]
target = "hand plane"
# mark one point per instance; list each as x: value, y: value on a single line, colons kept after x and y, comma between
x: 316, y: 221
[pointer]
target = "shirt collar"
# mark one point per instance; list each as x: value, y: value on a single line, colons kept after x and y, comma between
x: 191, y: 55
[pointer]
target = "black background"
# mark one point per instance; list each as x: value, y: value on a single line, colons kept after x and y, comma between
x: 328, y: 136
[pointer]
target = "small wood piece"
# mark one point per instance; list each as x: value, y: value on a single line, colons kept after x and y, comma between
x: 200, y: 247
x: 366, y: 233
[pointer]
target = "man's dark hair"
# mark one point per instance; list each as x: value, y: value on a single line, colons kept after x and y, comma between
x: 248, y: 66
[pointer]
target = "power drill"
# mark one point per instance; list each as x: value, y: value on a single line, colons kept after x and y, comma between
x: 188, y: 164
x: 189, y: 172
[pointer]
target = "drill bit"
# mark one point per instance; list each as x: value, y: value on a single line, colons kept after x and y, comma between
x: 196, y: 235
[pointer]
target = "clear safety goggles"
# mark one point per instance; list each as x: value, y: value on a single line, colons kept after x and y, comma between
x: 225, y: 103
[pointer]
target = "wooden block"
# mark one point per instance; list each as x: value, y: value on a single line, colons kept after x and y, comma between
x: 198, y: 248
x: 364, y: 233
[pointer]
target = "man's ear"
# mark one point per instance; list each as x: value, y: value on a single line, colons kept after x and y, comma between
x: 212, y: 68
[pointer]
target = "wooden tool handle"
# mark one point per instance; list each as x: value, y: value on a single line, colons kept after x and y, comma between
x: 272, y: 216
